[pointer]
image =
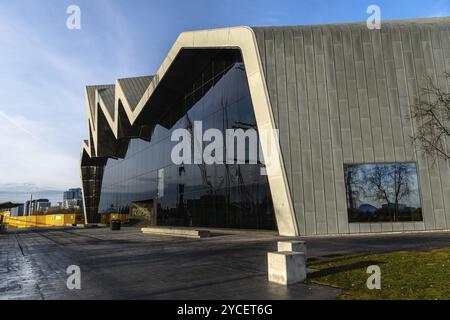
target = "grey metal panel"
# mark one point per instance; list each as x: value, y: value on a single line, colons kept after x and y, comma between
x: 350, y: 57
x: 424, y: 177
x: 402, y: 57
x: 364, y: 227
x: 354, y: 227
x: 107, y: 95
x: 283, y: 112
x: 324, y: 165
x: 376, y: 227
x: 386, y: 227
x: 386, y: 111
x: 314, y: 132
x: 354, y: 89
x: 389, y: 43
x: 134, y: 88
x: 271, y: 72
x: 419, y: 226
x: 433, y: 167
x: 328, y: 152
x: 444, y: 176
x: 303, y: 121
x: 397, y: 226
x: 259, y: 34
x: 347, y: 149
x: 444, y: 35
x: 341, y: 130
x: 91, y: 96
x: 368, y: 91
x: 294, y: 127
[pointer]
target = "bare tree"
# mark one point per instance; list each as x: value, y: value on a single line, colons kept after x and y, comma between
x: 390, y: 184
x: 378, y: 183
x: 354, y: 185
x: 402, y: 184
x: 432, y: 115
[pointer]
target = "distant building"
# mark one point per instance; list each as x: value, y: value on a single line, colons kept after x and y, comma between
x: 12, y: 209
x: 17, y: 211
x: 35, y: 206
x: 72, y: 199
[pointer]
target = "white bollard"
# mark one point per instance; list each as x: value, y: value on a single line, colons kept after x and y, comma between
x: 294, y: 246
x: 286, y: 267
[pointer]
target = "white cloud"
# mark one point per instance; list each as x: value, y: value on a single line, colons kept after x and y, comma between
x: 42, y: 110
x: 28, y: 157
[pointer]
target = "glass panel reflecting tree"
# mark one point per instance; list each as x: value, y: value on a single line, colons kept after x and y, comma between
x: 386, y: 192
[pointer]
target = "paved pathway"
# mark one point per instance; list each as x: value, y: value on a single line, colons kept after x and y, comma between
x: 131, y: 265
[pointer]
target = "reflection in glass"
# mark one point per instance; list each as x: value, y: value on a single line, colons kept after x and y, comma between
x: 386, y: 192
x: 197, y: 195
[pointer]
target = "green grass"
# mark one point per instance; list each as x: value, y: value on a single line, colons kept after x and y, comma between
x: 404, y: 275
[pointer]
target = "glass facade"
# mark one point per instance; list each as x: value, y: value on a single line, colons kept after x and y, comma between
x: 383, y: 192
x: 198, y: 195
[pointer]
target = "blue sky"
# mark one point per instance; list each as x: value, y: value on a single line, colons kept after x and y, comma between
x: 44, y: 66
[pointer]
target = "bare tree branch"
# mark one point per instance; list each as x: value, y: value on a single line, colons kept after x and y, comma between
x: 431, y: 113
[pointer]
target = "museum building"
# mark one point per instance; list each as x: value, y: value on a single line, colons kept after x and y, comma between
x: 338, y: 98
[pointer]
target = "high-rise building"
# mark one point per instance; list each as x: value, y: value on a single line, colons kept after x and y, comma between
x: 36, y: 206
x: 72, y: 199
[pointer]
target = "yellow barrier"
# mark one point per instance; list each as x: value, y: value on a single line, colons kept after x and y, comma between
x: 42, y: 221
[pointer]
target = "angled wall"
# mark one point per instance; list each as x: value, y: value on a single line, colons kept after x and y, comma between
x: 342, y: 94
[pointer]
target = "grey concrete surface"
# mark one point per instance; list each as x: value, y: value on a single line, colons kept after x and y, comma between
x: 131, y: 265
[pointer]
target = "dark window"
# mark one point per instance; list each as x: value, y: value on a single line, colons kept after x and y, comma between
x: 383, y: 192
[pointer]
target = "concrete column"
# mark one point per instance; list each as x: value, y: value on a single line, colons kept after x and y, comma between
x: 286, y: 267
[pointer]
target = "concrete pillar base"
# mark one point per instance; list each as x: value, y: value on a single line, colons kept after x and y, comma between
x: 286, y: 267
x: 294, y: 246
